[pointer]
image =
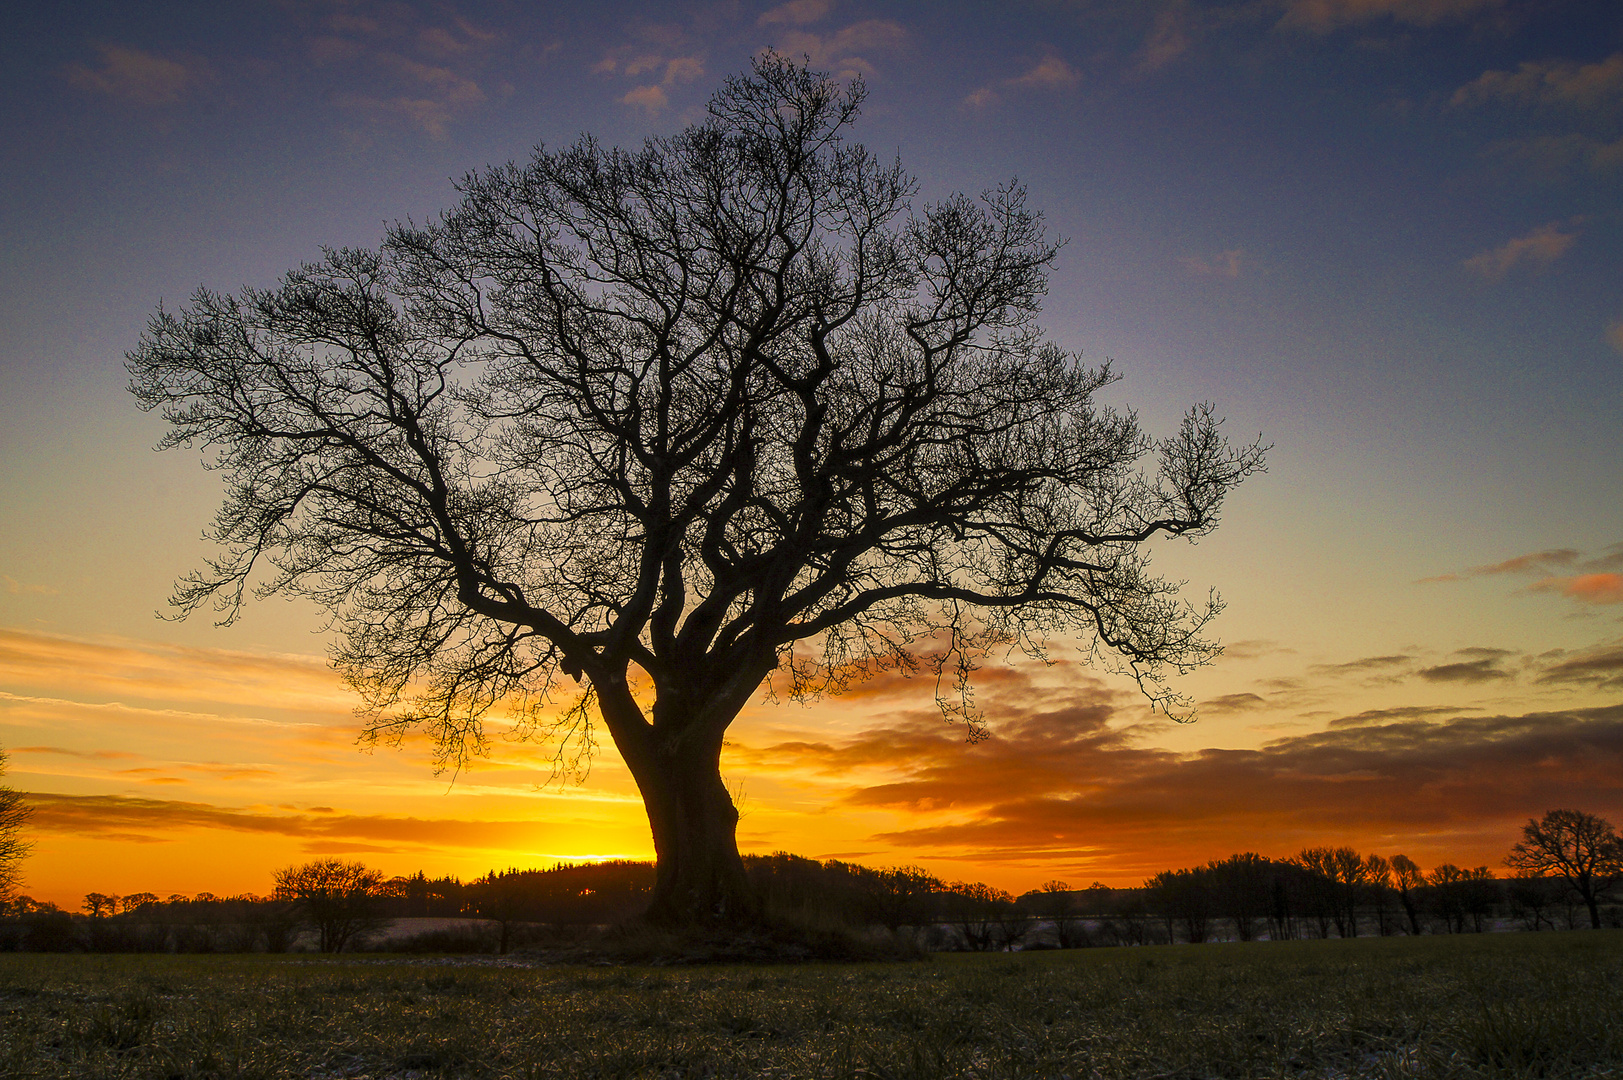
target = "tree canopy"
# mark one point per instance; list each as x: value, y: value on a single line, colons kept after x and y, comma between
x: 726, y: 405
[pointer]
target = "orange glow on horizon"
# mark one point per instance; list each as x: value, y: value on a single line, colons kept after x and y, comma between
x: 166, y: 770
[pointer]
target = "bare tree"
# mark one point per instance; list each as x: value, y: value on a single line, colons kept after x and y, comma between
x: 1407, y: 879
x: 1320, y: 893
x: 338, y: 899
x: 984, y: 915
x: 1378, y: 885
x: 14, y: 815
x: 724, y: 408
x: 898, y: 896
x: 1582, y: 848
x: 1057, y: 902
x: 1243, y: 889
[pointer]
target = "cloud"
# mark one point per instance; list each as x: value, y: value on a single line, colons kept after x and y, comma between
x: 1466, y: 671
x: 795, y: 13
x: 633, y: 62
x: 1225, y: 264
x: 1600, y: 668
x: 142, y: 78
x: 18, y: 588
x: 125, y: 817
x: 1067, y: 783
x: 432, y: 113
x: 1537, y: 562
x: 1614, y: 335
x: 1401, y: 712
x: 1553, y: 157
x: 403, y: 69
x: 1538, y: 249
x: 846, y: 52
x: 1597, y: 580
x: 1233, y: 703
x: 1365, y: 665
x: 171, y: 673
x: 1254, y: 649
x: 1549, y: 82
x: 1605, y: 588
x: 1323, y: 16
x: 1051, y: 73
x: 652, y: 99
x: 93, y: 755
x: 683, y: 69
x: 461, y: 37
x: 1166, y: 42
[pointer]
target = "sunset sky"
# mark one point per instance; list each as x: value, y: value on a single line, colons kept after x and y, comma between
x: 1386, y: 234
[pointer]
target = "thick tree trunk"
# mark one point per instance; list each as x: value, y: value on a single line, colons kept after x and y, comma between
x: 1588, y: 893
x: 699, y: 875
x: 676, y: 761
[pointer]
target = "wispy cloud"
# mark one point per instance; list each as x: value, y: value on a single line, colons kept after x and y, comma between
x: 19, y: 588
x: 403, y: 67
x: 1537, y: 249
x: 1401, y: 712
x: 847, y: 52
x: 650, y: 99
x: 1465, y: 671
x: 1557, y: 156
x: 1049, y: 74
x: 1168, y: 39
x: 1604, y: 588
x: 1366, y: 665
x: 170, y: 673
x: 129, y: 818
x: 1549, y: 82
x: 1224, y: 264
x: 89, y: 755
x: 654, y: 98
x: 1230, y: 704
x: 133, y: 75
x: 1254, y: 649
x: 1323, y: 16
x: 1564, y: 571
x: 795, y: 13
x: 1600, y: 668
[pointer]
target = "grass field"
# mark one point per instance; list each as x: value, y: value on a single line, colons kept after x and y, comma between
x: 1509, y: 1005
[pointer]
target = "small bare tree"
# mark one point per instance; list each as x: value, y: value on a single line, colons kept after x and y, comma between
x: 689, y: 416
x: 100, y: 905
x: 1583, y: 849
x: 1057, y: 903
x: 898, y: 896
x: 338, y: 899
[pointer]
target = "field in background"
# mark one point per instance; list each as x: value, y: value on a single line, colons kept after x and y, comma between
x: 1510, y: 1005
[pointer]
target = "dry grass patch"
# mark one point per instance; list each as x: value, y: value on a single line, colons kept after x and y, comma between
x: 1528, y: 1005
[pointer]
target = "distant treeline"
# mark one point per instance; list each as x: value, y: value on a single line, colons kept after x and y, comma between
x: 335, y: 905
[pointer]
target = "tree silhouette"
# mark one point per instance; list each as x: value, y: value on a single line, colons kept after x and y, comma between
x: 14, y: 815
x: 338, y: 899
x: 1582, y: 848
x: 681, y: 418
x: 1407, y: 879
